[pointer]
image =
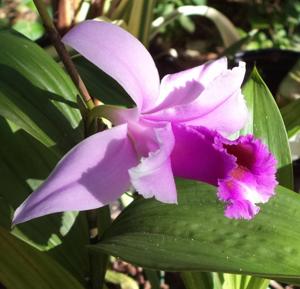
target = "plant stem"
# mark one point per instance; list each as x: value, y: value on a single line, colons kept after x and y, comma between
x: 99, y: 220
x: 62, y: 52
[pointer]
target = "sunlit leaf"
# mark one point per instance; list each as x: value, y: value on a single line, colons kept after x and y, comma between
x: 266, y: 123
x: 36, y: 94
x: 291, y: 117
x: 124, y: 281
x: 31, y: 29
x: 195, y: 235
x: 39, y: 122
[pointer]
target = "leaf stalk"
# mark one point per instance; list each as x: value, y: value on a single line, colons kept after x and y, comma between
x: 62, y: 52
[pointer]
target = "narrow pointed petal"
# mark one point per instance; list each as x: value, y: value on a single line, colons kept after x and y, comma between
x: 213, y: 107
x: 185, y: 86
x: 91, y: 175
x: 120, y: 55
x: 153, y: 177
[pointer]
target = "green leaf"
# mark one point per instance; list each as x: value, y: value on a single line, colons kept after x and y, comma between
x: 291, y: 117
x: 218, y: 280
x: 31, y: 29
x: 23, y: 267
x: 266, y: 123
x: 140, y: 19
x: 195, y: 235
x: 153, y: 277
x: 40, y: 121
x: 235, y: 281
x: 121, y: 279
x: 137, y: 14
x: 258, y: 283
x: 197, y: 280
x: 36, y: 94
x: 24, y: 163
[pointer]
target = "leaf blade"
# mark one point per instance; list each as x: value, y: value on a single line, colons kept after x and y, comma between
x: 36, y: 94
x: 23, y: 267
x: 266, y: 123
x: 148, y: 233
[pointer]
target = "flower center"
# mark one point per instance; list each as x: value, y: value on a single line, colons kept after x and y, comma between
x: 246, y: 183
x: 244, y: 154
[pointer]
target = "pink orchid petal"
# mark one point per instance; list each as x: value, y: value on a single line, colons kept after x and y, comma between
x: 241, y: 210
x: 153, y: 176
x: 196, y: 157
x: 144, y: 138
x: 120, y: 55
x: 223, y: 90
x: 253, y: 181
x: 244, y: 170
x: 223, y: 119
x: 185, y: 86
x: 91, y: 175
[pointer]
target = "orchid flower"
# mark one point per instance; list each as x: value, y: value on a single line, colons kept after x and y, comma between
x: 177, y: 129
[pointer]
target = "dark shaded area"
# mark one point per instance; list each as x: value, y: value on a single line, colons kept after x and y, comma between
x: 101, y: 85
x: 273, y: 64
x: 22, y: 157
x: 296, y: 167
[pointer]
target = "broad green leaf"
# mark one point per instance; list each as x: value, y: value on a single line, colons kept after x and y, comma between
x: 24, y: 163
x: 195, y: 235
x: 36, y: 94
x: 38, y: 101
x: 23, y: 267
x: 153, y: 277
x: 266, y: 123
x: 291, y: 117
x: 101, y: 85
x: 197, y: 280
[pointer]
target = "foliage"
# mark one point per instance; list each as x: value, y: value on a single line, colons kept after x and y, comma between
x: 278, y: 23
x: 165, y: 7
x: 42, y: 117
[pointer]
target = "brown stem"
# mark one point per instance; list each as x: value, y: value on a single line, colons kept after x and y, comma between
x: 62, y: 52
x: 65, y: 15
